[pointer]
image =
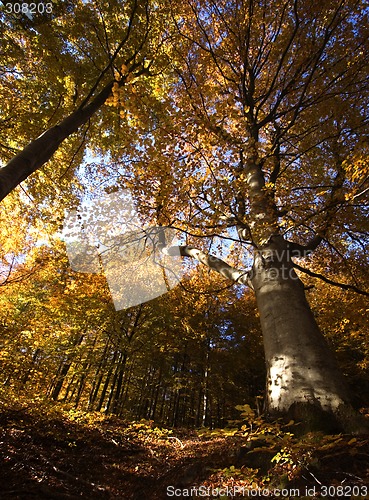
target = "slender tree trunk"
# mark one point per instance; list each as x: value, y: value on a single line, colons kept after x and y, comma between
x: 199, y: 412
x: 205, y: 385
x: 163, y: 406
x: 107, y: 382
x: 303, y: 379
x: 32, y: 366
x: 81, y: 386
x: 71, y: 389
x: 39, y: 151
x: 154, y: 402
x: 119, y: 385
x: 142, y: 396
x: 127, y: 385
x: 94, y: 391
x: 98, y: 378
x: 109, y: 404
x: 176, y: 407
x: 64, y: 369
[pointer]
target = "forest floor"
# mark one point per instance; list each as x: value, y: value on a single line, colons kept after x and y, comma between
x: 56, y: 454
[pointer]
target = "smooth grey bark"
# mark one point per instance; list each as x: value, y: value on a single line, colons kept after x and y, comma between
x: 304, y: 381
x: 210, y: 261
x: 301, y: 368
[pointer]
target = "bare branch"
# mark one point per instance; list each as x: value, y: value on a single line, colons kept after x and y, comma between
x: 344, y: 286
x: 112, y: 58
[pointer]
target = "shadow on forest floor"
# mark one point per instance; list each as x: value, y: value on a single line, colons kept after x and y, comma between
x: 66, y: 455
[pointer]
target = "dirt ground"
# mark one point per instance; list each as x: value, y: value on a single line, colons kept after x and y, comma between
x: 53, y: 458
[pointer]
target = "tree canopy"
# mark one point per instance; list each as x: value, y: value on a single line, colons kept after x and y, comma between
x: 200, y: 89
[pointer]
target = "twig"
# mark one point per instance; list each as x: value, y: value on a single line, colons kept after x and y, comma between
x: 177, y: 440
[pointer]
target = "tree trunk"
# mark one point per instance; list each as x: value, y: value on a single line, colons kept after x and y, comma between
x: 64, y: 369
x: 39, y: 151
x: 116, y: 403
x: 107, y: 382
x: 303, y: 379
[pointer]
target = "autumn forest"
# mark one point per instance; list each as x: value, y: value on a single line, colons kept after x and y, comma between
x: 184, y: 270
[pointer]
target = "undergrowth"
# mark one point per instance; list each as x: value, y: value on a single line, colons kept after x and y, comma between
x: 49, y: 449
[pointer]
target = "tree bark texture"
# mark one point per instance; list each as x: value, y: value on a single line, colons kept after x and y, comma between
x: 303, y: 377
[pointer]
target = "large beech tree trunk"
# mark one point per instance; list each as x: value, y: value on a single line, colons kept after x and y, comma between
x: 303, y: 379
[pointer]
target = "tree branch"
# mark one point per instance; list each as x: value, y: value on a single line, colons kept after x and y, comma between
x: 211, y: 262
x: 111, y: 58
x: 40, y: 150
x: 298, y: 250
x: 344, y: 286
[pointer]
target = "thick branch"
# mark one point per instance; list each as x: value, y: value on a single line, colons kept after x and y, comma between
x: 40, y: 150
x: 298, y: 250
x: 212, y: 262
x: 113, y: 57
